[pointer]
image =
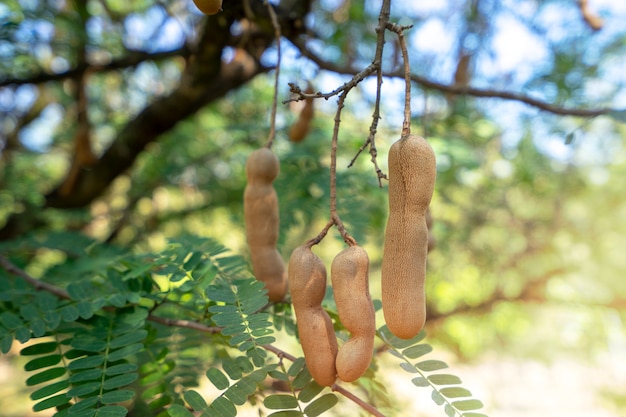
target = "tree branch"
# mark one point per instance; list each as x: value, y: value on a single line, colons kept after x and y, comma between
x: 131, y: 59
x: 455, y: 89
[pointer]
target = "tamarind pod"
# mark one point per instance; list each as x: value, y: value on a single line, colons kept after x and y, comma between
x: 261, y: 215
x: 268, y: 267
x: 208, y: 6
x: 302, y: 126
x: 350, y: 280
x: 307, y: 284
x: 412, y: 174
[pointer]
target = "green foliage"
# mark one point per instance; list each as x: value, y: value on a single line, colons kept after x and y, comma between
x: 445, y: 387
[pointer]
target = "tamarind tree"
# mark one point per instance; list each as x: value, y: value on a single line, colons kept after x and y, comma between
x: 126, y: 284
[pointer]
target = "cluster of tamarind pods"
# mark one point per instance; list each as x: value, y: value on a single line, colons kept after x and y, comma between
x: 412, y: 172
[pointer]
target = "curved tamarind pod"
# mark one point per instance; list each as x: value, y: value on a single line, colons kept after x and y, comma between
x: 349, y: 273
x: 307, y: 284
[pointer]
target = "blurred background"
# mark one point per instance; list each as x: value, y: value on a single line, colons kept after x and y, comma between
x: 130, y: 122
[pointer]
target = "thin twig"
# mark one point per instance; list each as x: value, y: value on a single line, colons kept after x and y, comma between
x: 367, y: 407
x: 383, y: 20
x: 37, y: 284
x: 334, y: 216
x: 299, y: 95
x: 277, y: 33
x: 399, y: 30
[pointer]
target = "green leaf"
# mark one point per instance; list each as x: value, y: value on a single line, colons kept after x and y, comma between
x: 111, y: 411
x: 177, y: 410
x: 231, y: 330
x: 48, y: 390
x: 467, y: 405
x: 195, y: 400
x: 232, y: 368
x: 29, y: 312
x: 302, y: 379
x: 121, y: 368
x: 52, y: 319
x: 128, y: 338
x: 474, y: 415
x: 125, y: 352
x: 398, y: 343
x: 117, y: 300
x: 420, y: 381
x: 408, y: 367
x: 55, y: 401
x: 89, y: 344
x: 416, y: 351
x: 10, y: 320
x: 321, y: 405
x: 287, y: 413
x: 239, y: 392
x: 244, y: 363
x: 455, y: 392
x: 280, y: 402
x: 449, y: 410
x: 217, y: 378
x: 86, y: 375
x: 6, y: 343
x: 266, y: 340
x: 85, y: 309
x: 69, y: 313
x: 87, y: 412
x: 431, y: 365
x: 38, y: 327
x: 309, y: 391
x: 224, y: 407
x: 39, y: 349
x: 86, y: 362
x: 444, y: 379
x: 296, y: 367
x: 85, y: 389
x: 437, y: 398
x: 83, y: 405
x: 119, y: 381
x: 42, y: 362
x: 22, y: 334
x: 45, y: 376
x: 117, y: 396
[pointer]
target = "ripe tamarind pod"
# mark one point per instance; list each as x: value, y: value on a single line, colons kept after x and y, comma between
x: 208, y: 6
x: 307, y: 284
x: 412, y: 174
x: 260, y: 208
x: 349, y: 274
x: 301, y: 128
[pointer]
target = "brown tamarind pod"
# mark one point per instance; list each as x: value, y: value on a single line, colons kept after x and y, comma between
x: 349, y: 274
x: 307, y: 284
x: 412, y: 174
x: 208, y: 6
x: 260, y: 207
x: 300, y: 129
